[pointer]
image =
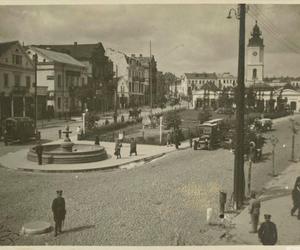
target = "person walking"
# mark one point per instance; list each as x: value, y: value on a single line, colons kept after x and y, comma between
x: 133, y: 147
x: 296, y: 198
x: 118, y: 146
x: 254, y: 210
x: 267, y: 233
x: 168, y: 139
x: 5, y: 139
x: 97, y: 140
x: 59, y: 212
x: 39, y: 151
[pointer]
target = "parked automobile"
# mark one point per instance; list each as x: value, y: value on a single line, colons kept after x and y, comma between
x: 209, y: 136
x: 263, y: 124
x: 19, y: 128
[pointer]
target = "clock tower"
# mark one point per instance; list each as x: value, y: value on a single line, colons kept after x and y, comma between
x: 255, y: 55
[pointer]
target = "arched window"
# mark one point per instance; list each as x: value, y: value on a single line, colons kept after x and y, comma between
x: 254, y: 74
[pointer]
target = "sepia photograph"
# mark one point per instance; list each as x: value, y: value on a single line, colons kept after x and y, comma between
x: 149, y: 124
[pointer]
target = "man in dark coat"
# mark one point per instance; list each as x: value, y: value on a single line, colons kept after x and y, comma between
x: 39, y: 151
x: 59, y: 212
x: 296, y: 198
x: 267, y: 232
x: 133, y: 147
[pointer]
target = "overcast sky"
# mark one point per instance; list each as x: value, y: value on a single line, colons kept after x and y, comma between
x: 185, y: 38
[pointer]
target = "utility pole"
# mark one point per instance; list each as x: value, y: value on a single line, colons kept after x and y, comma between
x: 294, y: 132
x: 150, y: 78
x: 274, y: 140
x: 115, y: 96
x: 35, y: 57
x: 239, y: 175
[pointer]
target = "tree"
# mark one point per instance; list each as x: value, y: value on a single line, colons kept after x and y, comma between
x: 224, y: 100
x: 250, y: 99
x: 173, y: 120
x: 204, y: 115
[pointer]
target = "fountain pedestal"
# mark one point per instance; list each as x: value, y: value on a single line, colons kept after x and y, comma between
x: 67, y: 144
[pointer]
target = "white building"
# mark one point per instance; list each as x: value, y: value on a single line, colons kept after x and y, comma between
x: 62, y: 74
x: 255, y: 57
x: 226, y: 80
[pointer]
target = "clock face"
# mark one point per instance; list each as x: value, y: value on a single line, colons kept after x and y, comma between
x: 254, y: 53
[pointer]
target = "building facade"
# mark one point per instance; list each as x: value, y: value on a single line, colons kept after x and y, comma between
x: 99, y: 69
x: 17, y: 77
x: 63, y: 76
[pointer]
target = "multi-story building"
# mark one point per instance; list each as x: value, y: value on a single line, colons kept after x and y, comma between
x: 17, y: 82
x: 226, y: 80
x: 99, y: 68
x: 129, y: 78
x: 63, y: 76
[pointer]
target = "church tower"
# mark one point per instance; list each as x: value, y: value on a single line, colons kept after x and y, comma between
x: 255, y: 64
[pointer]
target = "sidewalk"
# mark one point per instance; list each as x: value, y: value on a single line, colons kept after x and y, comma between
x: 275, y: 200
x: 18, y: 160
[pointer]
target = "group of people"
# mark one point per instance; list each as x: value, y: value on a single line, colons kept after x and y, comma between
x: 118, y: 146
x: 174, y: 138
x: 267, y: 232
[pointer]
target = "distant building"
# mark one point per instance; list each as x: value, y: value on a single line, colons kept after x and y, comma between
x: 206, y: 95
x: 17, y: 82
x: 63, y: 76
x: 255, y: 57
x: 99, y: 69
x: 226, y: 80
x: 130, y: 79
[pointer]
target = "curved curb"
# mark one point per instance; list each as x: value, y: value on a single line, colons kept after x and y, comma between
x: 146, y: 160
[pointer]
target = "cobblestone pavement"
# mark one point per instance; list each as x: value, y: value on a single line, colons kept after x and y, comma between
x: 163, y: 202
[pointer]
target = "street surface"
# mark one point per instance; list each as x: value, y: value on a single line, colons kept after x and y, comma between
x: 163, y: 202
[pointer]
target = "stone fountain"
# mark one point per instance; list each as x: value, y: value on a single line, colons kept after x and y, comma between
x: 68, y: 152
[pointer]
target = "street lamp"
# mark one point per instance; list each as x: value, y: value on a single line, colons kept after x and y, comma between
x: 274, y: 140
x: 35, y: 59
x: 239, y: 175
x: 294, y: 131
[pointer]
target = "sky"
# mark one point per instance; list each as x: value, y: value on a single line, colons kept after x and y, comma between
x: 184, y: 38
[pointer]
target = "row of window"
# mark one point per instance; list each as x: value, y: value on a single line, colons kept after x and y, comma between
x: 134, y: 73
x: 59, y: 102
x: 16, y: 80
x: 231, y: 81
x: 136, y: 87
x: 71, y: 81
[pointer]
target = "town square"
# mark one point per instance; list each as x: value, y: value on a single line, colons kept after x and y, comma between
x: 149, y: 125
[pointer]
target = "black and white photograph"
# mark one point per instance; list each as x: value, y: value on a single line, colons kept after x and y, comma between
x: 149, y: 124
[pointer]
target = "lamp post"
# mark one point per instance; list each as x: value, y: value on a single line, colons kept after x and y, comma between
x: 274, y: 140
x: 251, y: 156
x: 294, y: 132
x: 239, y: 176
x: 35, y: 59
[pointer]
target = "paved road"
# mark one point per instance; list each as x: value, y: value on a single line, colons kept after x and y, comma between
x: 160, y: 203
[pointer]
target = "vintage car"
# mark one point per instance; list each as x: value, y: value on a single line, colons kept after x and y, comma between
x: 18, y: 128
x: 263, y: 124
x: 209, y: 136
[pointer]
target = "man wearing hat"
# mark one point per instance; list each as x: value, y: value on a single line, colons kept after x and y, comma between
x: 59, y: 211
x: 267, y: 232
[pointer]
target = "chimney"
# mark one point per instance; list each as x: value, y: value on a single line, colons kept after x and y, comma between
x: 75, y: 43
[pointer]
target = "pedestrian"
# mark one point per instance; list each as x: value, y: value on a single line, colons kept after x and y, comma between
x: 106, y: 122
x: 118, y: 146
x: 5, y: 139
x: 267, y: 232
x: 176, y: 139
x: 97, y: 140
x: 59, y: 133
x: 39, y: 151
x: 133, y: 147
x: 59, y: 212
x: 254, y: 210
x: 296, y: 198
x: 122, y: 118
x: 168, y: 139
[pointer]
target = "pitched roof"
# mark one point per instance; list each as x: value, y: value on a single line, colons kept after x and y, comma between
x: 201, y: 75
x: 5, y: 46
x: 209, y: 86
x: 58, y: 57
x: 78, y: 51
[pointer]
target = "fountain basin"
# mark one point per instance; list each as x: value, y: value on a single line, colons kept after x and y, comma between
x: 81, y: 153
